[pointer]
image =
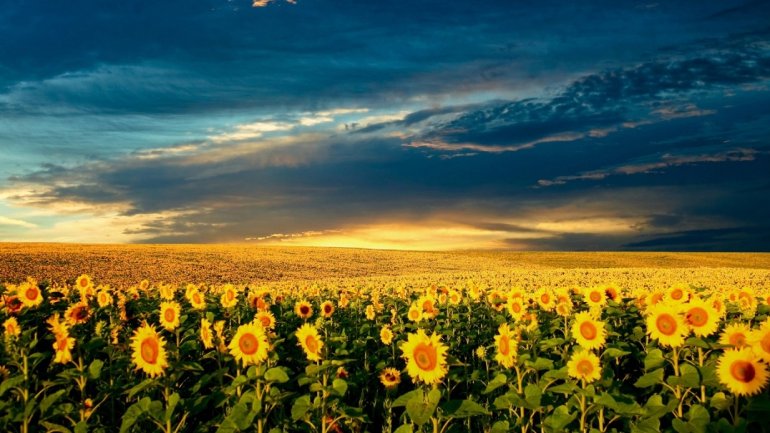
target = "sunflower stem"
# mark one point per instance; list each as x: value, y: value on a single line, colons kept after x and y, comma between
x: 702, y: 387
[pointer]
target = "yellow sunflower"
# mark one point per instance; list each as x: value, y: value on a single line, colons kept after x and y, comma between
x: 545, y: 299
x: 589, y: 332
x: 760, y: 340
x: 386, y: 335
x: 229, y: 296
x: 584, y: 365
x: 103, y: 298
x: 427, y: 304
x: 249, y: 344
x: 736, y: 335
x: 310, y: 341
x: 197, y: 300
x: 701, y: 317
x: 169, y: 315
x: 506, y: 344
x: 266, y: 319
x: 369, y: 312
x: 415, y: 313
x: 665, y: 324
x: 455, y: 297
x: 303, y: 309
x: 595, y: 297
x: 148, y: 351
x: 167, y: 291
x: 77, y: 313
x: 207, y: 338
x: 144, y: 285
x: 83, y: 282
x: 11, y: 327
x: 564, y: 308
x: 63, y: 345
x: 516, y: 308
x: 57, y: 326
x: 425, y: 357
x: 30, y: 295
x: 741, y: 372
x: 390, y: 377
x: 678, y: 293
x: 327, y: 309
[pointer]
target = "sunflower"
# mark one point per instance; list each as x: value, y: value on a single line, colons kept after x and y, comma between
x: 515, y: 307
x: 30, y: 295
x: 613, y: 292
x: 545, y: 299
x: 760, y: 340
x: 266, y: 319
x: 229, y: 296
x: 665, y: 324
x: 77, y: 313
x: 83, y: 282
x: 249, y: 344
x: 564, y: 309
x: 103, y: 298
x: 741, y: 372
x: 148, y: 351
x: 595, y: 297
x: 370, y: 313
x: 303, y: 309
x: 63, y: 344
x: 310, y: 341
x: 678, y: 293
x: 425, y: 357
x: 584, y: 365
x: 415, y: 313
x: 207, y: 338
x: 735, y: 334
x: 327, y: 309
x: 701, y: 317
x: 390, y: 377
x: 197, y: 300
x: 455, y: 297
x: 481, y: 352
x: 144, y: 285
x: 169, y: 315
x: 427, y: 304
x: 57, y: 326
x: 167, y: 291
x: 588, y: 331
x: 11, y: 327
x: 505, y: 346
x: 386, y: 335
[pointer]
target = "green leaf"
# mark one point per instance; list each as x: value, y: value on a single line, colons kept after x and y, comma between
x: 54, y: 428
x: 654, y: 359
x: 173, y: 400
x: 541, y: 364
x: 646, y: 425
x: 688, y: 377
x: 10, y: 383
x: 420, y: 410
x: 551, y: 343
x: 719, y: 401
x: 556, y: 374
x: 532, y: 395
x: 133, y: 413
x: 276, y: 374
x: 495, y: 383
x: 564, y: 388
x: 405, y: 428
x: 340, y: 386
x: 500, y: 427
x: 559, y: 419
x: 140, y: 387
x: 654, y: 408
x: 236, y: 420
x: 404, y: 398
x: 81, y: 427
x: 95, y: 369
x: 508, y: 400
x: 50, y: 399
x: 613, y: 352
x: 463, y: 408
x: 697, y: 342
x: 650, y: 379
x: 300, y: 407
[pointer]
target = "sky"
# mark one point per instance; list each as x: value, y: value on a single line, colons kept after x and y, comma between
x: 419, y: 124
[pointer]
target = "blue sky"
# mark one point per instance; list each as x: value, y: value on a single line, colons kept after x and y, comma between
x: 414, y: 124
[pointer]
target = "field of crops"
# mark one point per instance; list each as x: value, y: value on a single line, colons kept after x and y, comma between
x: 520, y: 350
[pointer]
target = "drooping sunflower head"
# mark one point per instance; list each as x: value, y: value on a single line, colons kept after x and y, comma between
x: 741, y: 372
x: 588, y: 331
x: 169, y: 315
x: 584, y: 365
x: 327, y: 309
x: 425, y: 357
x: 249, y: 344
x: 390, y: 377
x: 303, y: 309
x: 310, y: 341
x: 666, y: 324
x: 148, y: 351
x: 736, y: 335
x: 700, y: 317
x: 77, y: 313
x: 63, y: 345
x: 207, y: 338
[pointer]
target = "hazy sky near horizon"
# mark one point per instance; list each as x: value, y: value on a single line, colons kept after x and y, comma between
x: 596, y: 125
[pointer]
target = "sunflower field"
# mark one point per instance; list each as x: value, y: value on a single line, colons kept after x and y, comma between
x: 458, y: 355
